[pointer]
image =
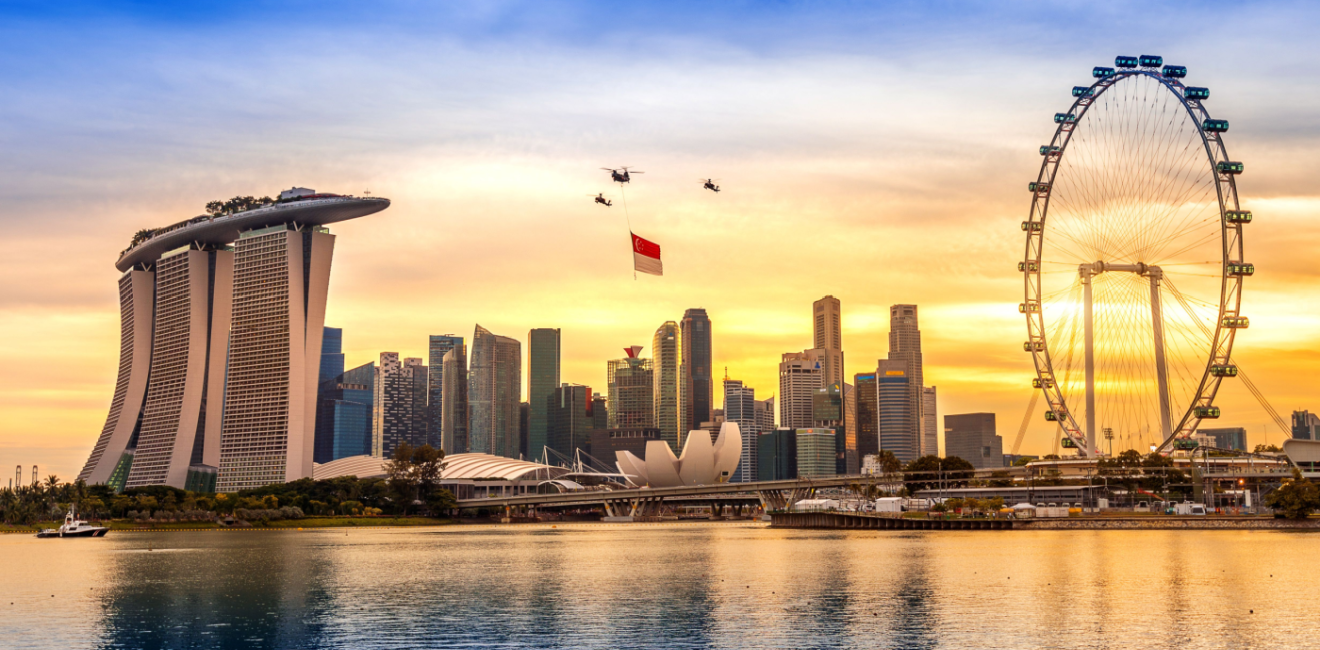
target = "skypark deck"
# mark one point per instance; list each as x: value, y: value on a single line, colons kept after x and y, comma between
x: 223, y: 229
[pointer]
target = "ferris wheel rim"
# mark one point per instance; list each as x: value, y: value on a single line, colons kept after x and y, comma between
x: 1222, y: 339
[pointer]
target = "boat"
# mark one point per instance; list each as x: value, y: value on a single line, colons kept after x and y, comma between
x: 74, y: 527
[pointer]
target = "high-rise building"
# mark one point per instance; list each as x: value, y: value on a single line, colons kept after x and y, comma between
x: 828, y: 339
x: 776, y: 455
x: 344, y: 414
x: 867, y: 417
x: 173, y: 433
x: 799, y: 377
x: 524, y: 423
x: 237, y: 333
x: 419, y: 423
x: 740, y: 407
x: 600, y: 412
x: 332, y: 353
x: 905, y: 347
x: 764, y: 411
x: 454, y: 412
x: 930, y: 433
x: 666, y: 352
x: 542, y: 378
x: 1305, y: 425
x: 827, y: 412
x: 815, y: 453
x: 894, y: 396
x: 696, y: 389
x: 392, y: 405
x: 437, y: 347
x: 631, y: 391
x: 570, y: 421
x: 494, y: 393
x: 1227, y: 437
x: 972, y: 437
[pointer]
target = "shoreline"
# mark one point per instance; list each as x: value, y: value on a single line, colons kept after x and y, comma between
x: 309, y: 523
x: 854, y: 521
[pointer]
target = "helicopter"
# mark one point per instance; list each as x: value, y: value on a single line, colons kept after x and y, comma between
x: 620, y: 178
x: 600, y: 198
x: 710, y: 184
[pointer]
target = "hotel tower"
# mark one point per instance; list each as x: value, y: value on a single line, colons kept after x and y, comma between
x: 221, y: 320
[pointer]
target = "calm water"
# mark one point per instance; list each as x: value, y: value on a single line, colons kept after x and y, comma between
x: 722, y: 585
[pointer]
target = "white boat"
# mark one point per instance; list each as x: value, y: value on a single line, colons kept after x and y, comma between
x: 74, y: 528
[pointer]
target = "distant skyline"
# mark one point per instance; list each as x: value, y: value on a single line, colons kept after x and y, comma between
x: 878, y: 154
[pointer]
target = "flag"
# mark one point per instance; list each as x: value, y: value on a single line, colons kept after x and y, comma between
x: 646, y: 256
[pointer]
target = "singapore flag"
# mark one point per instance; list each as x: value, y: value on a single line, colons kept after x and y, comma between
x: 646, y: 256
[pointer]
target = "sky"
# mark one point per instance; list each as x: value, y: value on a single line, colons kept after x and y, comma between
x: 876, y: 152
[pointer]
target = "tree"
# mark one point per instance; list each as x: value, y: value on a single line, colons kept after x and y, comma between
x: 1295, y: 499
x: 440, y: 502
x: 1270, y: 449
x: 925, y: 473
x: 1001, y: 478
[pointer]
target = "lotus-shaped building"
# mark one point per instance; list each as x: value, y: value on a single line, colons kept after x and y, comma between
x: 702, y: 462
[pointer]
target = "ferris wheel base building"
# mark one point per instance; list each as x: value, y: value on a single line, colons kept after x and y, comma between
x: 221, y: 319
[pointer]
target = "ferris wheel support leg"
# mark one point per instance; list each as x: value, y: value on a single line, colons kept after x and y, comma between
x: 1161, y: 369
x: 1089, y: 335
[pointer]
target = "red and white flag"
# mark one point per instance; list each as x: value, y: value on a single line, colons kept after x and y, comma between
x: 646, y: 256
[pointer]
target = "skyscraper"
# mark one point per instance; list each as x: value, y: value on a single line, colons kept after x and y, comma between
x: 454, y: 412
x: 799, y: 377
x: 930, y: 433
x: 344, y: 414
x: 776, y: 455
x: 815, y: 452
x: 972, y: 437
x: 542, y: 379
x: 631, y: 392
x: 867, y: 419
x: 392, y: 406
x: 666, y: 352
x: 332, y: 354
x: 220, y: 346
x: 268, y: 431
x: 172, y: 434
x: 696, y: 388
x: 494, y: 393
x: 740, y: 407
x: 569, y: 411
x: 764, y: 411
x: 828, y: 339
x: 894, y: 396
x: 437, y: 348
x: 419, y: 422
x: 905, y: 347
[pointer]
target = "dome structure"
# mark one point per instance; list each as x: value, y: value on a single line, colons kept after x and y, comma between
x: 701, y: 463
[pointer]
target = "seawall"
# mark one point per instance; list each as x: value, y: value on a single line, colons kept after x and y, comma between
x: 858, y: 521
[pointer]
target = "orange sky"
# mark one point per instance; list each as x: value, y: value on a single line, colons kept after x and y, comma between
x: 880, y: 174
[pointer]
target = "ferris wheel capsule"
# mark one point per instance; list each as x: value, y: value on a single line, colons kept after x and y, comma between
x: 1196, y: 92
x: 1101, y: 72
x: 1175, y: 71
x: 1126, y: 61
x: 1237, y: 216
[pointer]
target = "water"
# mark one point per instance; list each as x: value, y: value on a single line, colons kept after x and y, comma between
x: 690, y: 585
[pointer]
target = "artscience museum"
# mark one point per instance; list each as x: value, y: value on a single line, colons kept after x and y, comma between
x: 702, y: 462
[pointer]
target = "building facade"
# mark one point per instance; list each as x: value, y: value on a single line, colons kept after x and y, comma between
x: 1227, y: 437
x: 332, y: 353
x: 696, y: 386
x: 776, y: 453
x: 631, y: 393
x: 344, y: 414
x: 454, y: 411
x: 666, y: 350
x: 437, y: 346
x: 494, y: 393
x: 905, y: 348
x: 1305, y: 425
x: 799, y: 377
x: 827, y: 330
x: 392, y: 405
x: 866, y: 416
x: 570, y: 422
x: 815, y: 453
x: 930, y: 436
x: 894, y: 397
x: 232, y: 307
x: 543, y: 350
x: 740, y: 408
x: 972, y: 437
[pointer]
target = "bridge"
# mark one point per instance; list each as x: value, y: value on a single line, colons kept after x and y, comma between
x: 640, y: 502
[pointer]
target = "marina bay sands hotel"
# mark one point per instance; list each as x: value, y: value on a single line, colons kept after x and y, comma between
x: 220, y: 347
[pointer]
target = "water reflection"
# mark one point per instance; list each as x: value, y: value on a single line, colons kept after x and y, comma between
x: 730, y: 585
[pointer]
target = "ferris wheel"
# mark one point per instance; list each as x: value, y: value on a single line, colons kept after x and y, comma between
x: 1134, y: 262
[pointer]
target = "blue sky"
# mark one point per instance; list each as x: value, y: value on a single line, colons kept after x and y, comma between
x: 876, y: 151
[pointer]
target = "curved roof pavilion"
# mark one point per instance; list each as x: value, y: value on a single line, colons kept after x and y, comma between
x: 457, y: 467
x: 224, y: 229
